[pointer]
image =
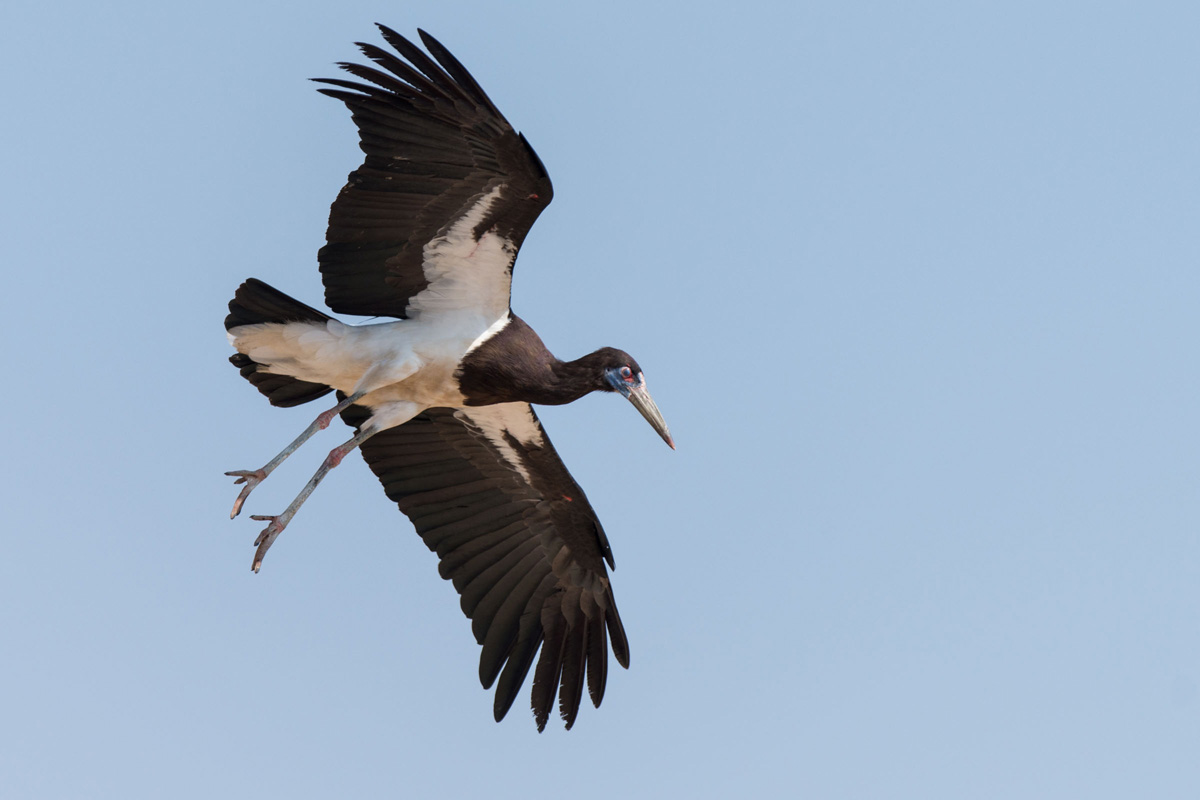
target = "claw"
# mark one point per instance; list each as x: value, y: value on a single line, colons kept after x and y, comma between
x: 253, y: 477
x: 266, y: 538
x: 250, y: 477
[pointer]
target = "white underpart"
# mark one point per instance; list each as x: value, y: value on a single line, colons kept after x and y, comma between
x: 515, y: 419
x: 407, y: 365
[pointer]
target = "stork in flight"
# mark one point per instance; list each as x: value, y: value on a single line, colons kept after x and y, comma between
x: 425, y: 233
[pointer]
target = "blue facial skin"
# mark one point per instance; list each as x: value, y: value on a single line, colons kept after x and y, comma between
x: 613, y: 376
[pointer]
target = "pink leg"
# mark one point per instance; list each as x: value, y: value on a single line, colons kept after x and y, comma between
x: 278, y: 523
x: 253, y: 477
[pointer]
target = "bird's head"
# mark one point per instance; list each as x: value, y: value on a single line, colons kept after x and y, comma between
x: 623, y: 375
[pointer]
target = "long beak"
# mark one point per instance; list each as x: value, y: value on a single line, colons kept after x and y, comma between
x: 644, y: 403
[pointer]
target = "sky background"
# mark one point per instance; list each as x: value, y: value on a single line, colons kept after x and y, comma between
x: 915, y: 286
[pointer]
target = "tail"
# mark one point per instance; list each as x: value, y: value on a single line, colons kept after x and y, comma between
x: 255, y: 302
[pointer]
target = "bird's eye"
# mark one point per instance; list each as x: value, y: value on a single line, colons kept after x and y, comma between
x: 627, y: 374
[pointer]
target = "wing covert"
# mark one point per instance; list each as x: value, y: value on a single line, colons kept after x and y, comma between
x: 437, y: 151
x: 516, y: 535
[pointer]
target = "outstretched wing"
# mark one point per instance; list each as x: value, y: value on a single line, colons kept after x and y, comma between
x: 434, y: 217
x: 487, y: 492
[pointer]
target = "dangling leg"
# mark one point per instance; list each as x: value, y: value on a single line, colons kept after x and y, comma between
x: 278, y: 523
x: 383, y: 417
x: 254, y: 477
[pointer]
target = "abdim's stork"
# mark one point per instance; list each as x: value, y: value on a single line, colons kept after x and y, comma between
x: 426, y: 232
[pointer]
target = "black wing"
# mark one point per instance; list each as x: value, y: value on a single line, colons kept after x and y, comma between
x: 514, y: 532
x: 436, y: 147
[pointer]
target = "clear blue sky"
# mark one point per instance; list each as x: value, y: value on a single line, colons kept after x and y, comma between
x: 915, y: 285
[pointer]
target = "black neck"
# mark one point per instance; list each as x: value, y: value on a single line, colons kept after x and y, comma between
x: 515, y: 366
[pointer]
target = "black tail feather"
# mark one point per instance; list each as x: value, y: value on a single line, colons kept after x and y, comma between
x: 255, y: 302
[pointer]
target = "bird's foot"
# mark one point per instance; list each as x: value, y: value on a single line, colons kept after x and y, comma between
x: 267, y: 537
x: 250, y: 477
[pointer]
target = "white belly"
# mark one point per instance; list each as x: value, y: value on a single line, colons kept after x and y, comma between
x: 404, y: 360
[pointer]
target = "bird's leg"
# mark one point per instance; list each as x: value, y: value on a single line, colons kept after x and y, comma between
x: 278, y: 523
x: 254, y: 477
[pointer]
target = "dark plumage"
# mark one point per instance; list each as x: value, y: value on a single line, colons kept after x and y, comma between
x: 425, y: 233
x: 515, y: 366
x: 434, y: 142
